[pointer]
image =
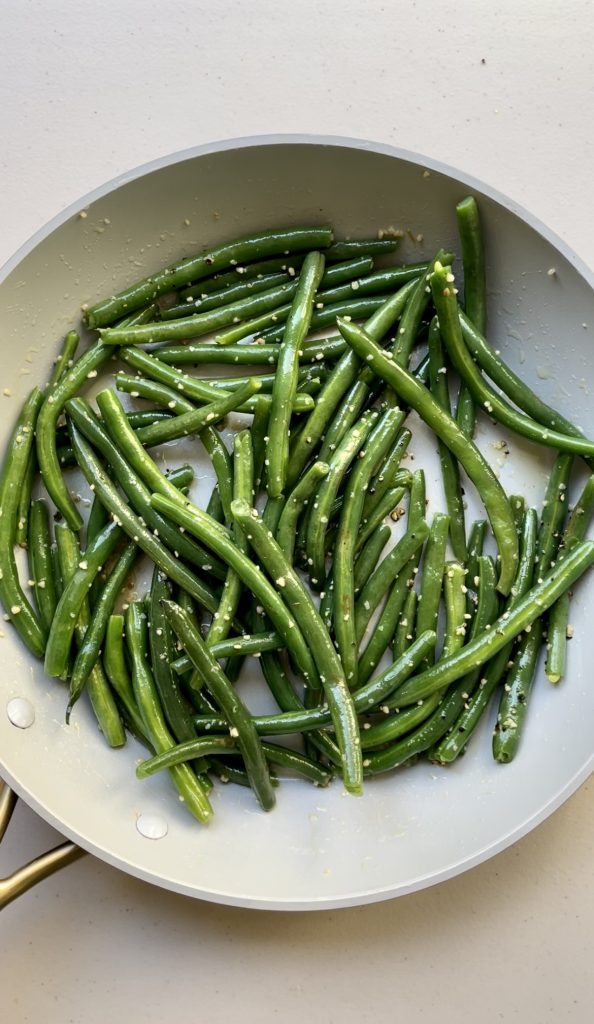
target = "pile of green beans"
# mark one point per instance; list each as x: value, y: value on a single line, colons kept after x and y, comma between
x: 381, y: 635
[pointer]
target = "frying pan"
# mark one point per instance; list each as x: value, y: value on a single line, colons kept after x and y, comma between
x: 423, y: 824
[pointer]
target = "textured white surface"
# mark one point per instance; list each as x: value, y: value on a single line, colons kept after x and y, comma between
x: 87, y: 92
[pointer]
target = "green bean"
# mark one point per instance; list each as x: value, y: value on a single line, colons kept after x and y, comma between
x: 455, y: 605
x: 475, y: 293
x: 40, y: 562
x: 558, y: 633
x: 340, y: 380
x: 379, y: 281
x: 369, y: 554
x: 131, y: 448
x: 267, y: 325
x: 417, y: 501
x: 247, y: 643
x: 140, y: 418
x: 364, y: 699
x: 266, y: 306
x: 85, y: 367
x: 330, y: 670
x: 319, y: 512
x: 75, y: 595
x: 241, y: 726
x: 346, y: 270
x: 22, y: 527
x: 98, y: 519
x: 90, y: 647
x: 515, y: 698
x: 218, y: 282
x: 240, y: 289
x: 383, y: 479
x: 478, y: 470
x: 218, y: 540
x: 400, y: 723
x: 14, y: 471
x: 192, y: 422
x: 384, y: 629
x: 361, y: 247
x: 309, y: 380
x: 445, y: 712
x: 412, y: 315
x: 138, y: 494
x: 100, y: 695
x: 345, y: 417
x: 222, y: 465
x: 197, y: 325
x: 285, y: 385
x: 558, y: 629
x: 162, y: 648
x: 226, y: 745
x: 450, y: 471
x: 313, y: 350
x: 473, y: 262
x: 191, y: 387
x: 529, y: 608
x: 553, y: 512
x: 297, y: 499
x: 116, y: 670
x: 377, y: 443
x: 209, y: 436
x: 65, y: 359
x: 189, y: 787
x: 388, y: 506
x: 476, y: 541
x: 483, y: 394
x: 243, y: 489
x: 516, y: 389
x: 187, y: 271
x: 132, y: 525
x: 378, y: 583
x: 434, y: 560
x: 466, y: 411
x: 518, y: 507
x: 405, y: 630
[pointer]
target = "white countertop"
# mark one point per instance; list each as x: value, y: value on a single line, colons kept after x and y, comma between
x: 503, y: 91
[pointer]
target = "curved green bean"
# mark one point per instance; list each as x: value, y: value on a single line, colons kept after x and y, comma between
x: 330, y: 669
x: 60, y: 637
x: 100, y: 695
x: 137, y: 493
x: 241, y: 726
x: 187, y: 271
x: 89, y: 650
x: 299, y: 497
x: 483, y: 394
x: 53, y: 406
x: 319, y: 511
x: 40, y: 562
x: 218, y: 539
x: 478, y: 470
x: 450, y: 471
x: 243, y: 489
x: 285, y: 384
x: 133, y: 526
x: 189, y: 787
x: 377, y: 443
x: 529, y: 608
x: 15, y: 603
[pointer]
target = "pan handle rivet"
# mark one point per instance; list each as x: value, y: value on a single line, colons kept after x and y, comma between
x: 151, y: 826
x: 20, y: 712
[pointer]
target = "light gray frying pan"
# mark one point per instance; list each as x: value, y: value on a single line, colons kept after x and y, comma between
x: 423, y: 824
